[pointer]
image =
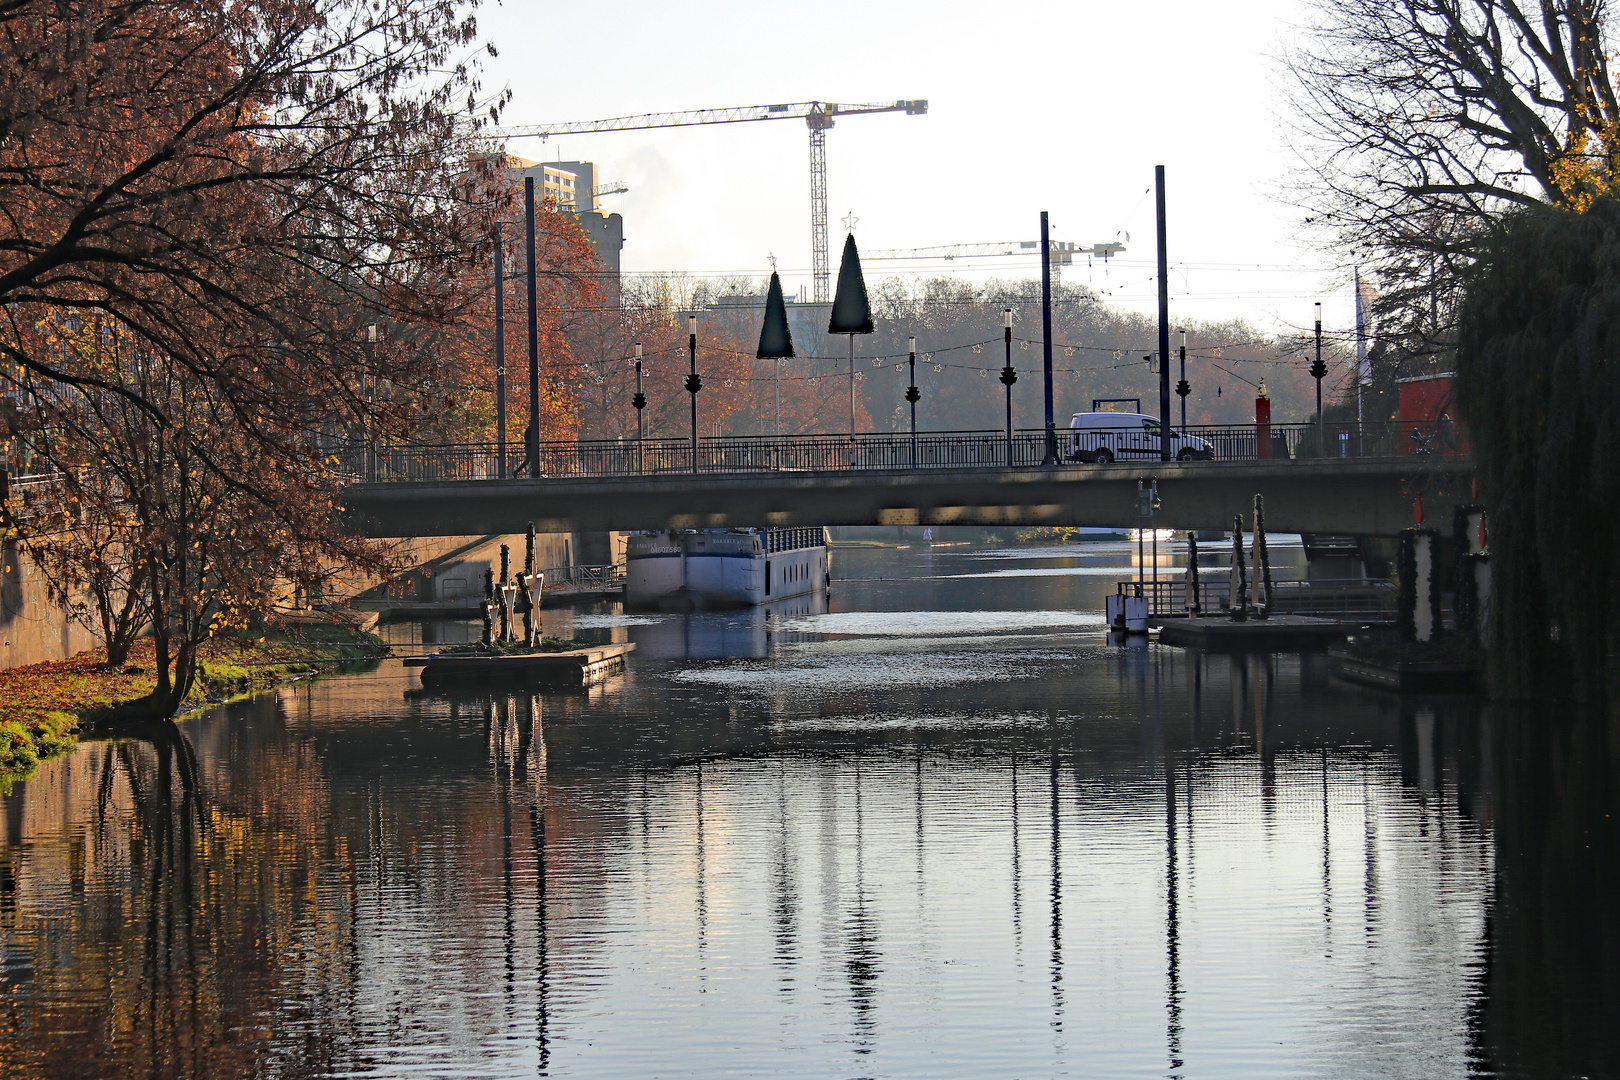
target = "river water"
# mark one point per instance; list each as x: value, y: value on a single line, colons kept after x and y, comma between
x: 936, y: 826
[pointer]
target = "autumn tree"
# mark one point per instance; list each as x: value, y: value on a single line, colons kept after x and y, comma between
x: 147, y: 516
x: 1421, y: 122
x: 242, y: 189
x: 652, y: 312
x: 569, y: 300
x: 1098, y: 352
x: 223, y: 200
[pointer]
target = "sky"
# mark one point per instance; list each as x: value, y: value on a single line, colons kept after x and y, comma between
x: 1063, y: 107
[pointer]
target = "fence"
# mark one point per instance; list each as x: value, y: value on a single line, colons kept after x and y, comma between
x: 877, y: 452
x: 576, y: 579
x: 1361, y: 599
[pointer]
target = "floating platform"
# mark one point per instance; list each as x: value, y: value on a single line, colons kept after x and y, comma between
x: 1280, y: 633
x: 574, y: 668
x: 1409, y: 676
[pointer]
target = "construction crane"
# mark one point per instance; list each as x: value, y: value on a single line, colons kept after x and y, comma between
x: 1063, y: 251
x: 612, y: 187
x: 818, y: 117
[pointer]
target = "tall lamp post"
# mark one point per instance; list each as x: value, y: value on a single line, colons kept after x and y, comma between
x: 1008, y: 377
x: 640, y: 403
x: 913, y: 395
x: 500, y: 358
x: 851, y: 314
x: 1319, y: 369
x: 775, y: 340
x: 371, y: 398
x: 1183, y: 387
x: 531, y: 436
x: 694, y: 382
x: 1051, y: 455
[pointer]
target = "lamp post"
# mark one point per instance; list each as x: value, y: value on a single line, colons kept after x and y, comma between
x: 1183, y: 388
x: 640, y: 403
x: 1008, y: 377
x: 1319, y: 369
x: 500, y: 358
x: 1051, y: 455
x: 531, y: 436
x: 694, y: 382
x: 913, y: 395
x: 371, y: 401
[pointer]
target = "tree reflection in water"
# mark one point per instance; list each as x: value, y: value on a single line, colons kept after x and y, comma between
x: 330, y: 882
x: 1550, y: 993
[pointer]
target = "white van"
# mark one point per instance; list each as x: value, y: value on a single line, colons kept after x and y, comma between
x: 1102, y: 437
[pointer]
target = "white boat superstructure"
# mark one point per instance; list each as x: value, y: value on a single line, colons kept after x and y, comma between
x: 700, y: 569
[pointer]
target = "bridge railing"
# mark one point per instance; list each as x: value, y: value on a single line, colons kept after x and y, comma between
x: 880, y: 451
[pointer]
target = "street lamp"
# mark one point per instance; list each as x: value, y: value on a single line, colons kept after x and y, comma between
x: 640, y: 403
x: 913, y: 395
x: 1008, y: 377
x: 500, y: 357
x: 1319, y: 369
x: 694, y: 382
x: 371, y: 401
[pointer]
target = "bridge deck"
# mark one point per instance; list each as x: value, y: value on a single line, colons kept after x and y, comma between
x: 1369, y: 496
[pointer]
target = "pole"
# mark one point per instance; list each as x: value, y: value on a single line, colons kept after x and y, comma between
x: 640, y: 403
x: 371, y: 399
x: 531, y: 435
x: 852, y: 387
x: 1182, y: 388
x: 778, y: 428
x: 912, y: 394
x: 1051, y: 455
x: 1164, y: 321
x: 500, y: 357
x: 1361, y: 360
x: 1154, y: 495
x: 693, y: 382
x: 1318, y: 369
x: 1008, y: 377
x: 1139, y: 554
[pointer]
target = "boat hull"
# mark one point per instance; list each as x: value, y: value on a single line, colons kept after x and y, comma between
x: 712, y: 570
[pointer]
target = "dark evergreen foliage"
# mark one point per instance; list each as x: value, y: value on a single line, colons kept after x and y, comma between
x: 1540, y: 337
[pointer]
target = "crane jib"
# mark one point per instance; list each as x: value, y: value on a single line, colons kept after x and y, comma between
x: 800, y: 110
x: 818, y: 117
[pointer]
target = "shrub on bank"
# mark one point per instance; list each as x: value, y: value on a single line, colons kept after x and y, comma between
x: 41, y: 705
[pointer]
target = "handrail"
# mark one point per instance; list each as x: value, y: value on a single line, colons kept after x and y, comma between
x: 889, y: 451
x: 1362, y: 598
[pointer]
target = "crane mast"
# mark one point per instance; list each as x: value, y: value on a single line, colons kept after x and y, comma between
x: 818, y: 117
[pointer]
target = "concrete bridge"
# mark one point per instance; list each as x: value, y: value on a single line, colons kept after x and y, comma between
x: 1364, y: 496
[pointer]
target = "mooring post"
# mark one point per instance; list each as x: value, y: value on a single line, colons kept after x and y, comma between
x: 529, y: 619
x: 506, y: 566
x: 1262, y: 561
x: 489, y: 606
x: 1193, y: 608
x: 1240, y: 577
x: 1419, y: 597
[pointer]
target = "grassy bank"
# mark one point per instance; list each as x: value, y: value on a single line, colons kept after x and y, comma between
x: 41, y: 705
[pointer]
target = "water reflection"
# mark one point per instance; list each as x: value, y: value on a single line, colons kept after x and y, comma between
x: 1071, y: 858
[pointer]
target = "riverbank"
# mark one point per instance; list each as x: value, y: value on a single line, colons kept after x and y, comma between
x: 42, y: 705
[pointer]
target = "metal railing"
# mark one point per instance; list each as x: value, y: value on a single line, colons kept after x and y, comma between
x: 584, y: 578
x: 1363, y: 599
x: 586, y: 459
